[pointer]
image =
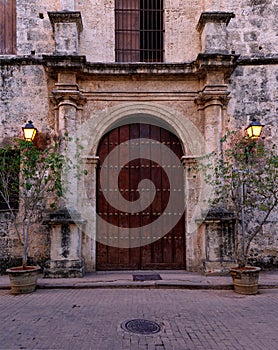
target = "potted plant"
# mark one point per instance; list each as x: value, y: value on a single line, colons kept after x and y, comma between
x: 28, y: 174
x: 244, y: 176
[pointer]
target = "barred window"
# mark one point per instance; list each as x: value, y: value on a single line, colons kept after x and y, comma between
x: 139, y: 30
x: 7, y: 27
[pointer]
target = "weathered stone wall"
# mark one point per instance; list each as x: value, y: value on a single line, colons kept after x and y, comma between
x: 34, y: 31
x: 252, y: 31
x: 11, y: 249
x: 264, y: 248
x: 26, y: 84
x: 248, y: 34
x: 254, y: 94
x: 23, y: 96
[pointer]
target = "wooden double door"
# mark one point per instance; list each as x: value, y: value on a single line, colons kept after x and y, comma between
x: 165, y: 251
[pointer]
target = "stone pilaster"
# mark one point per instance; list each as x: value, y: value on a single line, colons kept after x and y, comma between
x: 212, y: 103
x: 66, y: 224
x: 191, y: 195
x: 68, y: 101
x: 89, y: 207
x: 212, y: 27
x: 67, y: 26
x: 213, y: 97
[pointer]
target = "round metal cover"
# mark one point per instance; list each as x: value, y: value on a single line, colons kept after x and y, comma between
x: 141, y: 326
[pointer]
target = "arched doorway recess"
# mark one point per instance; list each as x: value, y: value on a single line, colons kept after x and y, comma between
x: 165, y: 251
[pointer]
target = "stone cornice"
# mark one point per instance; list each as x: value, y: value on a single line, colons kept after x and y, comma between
x: 196, y: 69
x: 66, y: 17
x: 71, y: 62
x: 119, y: 69
x: 257, y: 61
x: 215, y: 60
x: 214, y: 17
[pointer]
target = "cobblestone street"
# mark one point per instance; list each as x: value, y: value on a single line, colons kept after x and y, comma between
x: 92, y: 318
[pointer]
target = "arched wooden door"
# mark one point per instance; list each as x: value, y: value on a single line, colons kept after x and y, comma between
x: 167, y: 252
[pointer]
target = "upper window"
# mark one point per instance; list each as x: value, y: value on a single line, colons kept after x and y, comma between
x: 139, y: 30
x: 7, y: 27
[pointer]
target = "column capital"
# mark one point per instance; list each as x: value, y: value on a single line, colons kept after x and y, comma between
x: 68, y: 97
x: 188, y: 160
x: 92, y: 160
x: 213, y: 95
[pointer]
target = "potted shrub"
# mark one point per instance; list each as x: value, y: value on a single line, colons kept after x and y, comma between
x: 244, y: 176
x: 28, y: 174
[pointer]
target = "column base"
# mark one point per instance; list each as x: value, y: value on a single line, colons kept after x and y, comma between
x: 217, y: 267
x: 64, y: 269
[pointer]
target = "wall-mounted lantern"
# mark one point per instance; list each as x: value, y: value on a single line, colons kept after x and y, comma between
x: 29, y: 131
x: 254, y: 129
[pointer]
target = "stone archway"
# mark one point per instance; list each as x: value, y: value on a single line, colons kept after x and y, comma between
x: 90, y: 134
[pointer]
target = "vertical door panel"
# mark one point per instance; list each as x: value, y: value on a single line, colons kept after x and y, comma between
x: 167, y: 252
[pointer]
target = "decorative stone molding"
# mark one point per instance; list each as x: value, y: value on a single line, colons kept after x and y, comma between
x: 93, y: 160
x: 216, y: 62
x: 67, y: 26
x: 214, y: 17
x: 68, y: 97
x: 188, y: 161
x: 204, y: 63
x: 212, y: 27
x: 215, y: 95
x: 219, y: 215
x: 66, y: 17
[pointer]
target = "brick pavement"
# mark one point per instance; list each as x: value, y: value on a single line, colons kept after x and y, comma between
x: 91, y: 319
x: 170, y: 279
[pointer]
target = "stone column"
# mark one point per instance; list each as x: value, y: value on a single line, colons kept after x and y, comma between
x: 66, y: 224
x: 67, y: 26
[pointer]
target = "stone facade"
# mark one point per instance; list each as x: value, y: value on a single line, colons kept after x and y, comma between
x: 220, y: 70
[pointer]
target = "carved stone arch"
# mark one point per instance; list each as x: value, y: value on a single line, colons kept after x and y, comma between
x: 191, y: 138
x: 90, y: 134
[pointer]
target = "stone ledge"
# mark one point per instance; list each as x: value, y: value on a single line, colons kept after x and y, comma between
x: 214, y: 17
x: 66, y: 17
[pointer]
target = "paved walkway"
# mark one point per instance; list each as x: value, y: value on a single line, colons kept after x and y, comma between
x: 93, y: 319
x: 170, y: 279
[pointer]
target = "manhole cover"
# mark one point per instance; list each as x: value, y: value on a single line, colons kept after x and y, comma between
x: 141, y: 326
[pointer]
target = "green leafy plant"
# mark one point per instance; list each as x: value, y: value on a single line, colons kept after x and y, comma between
x: 244, y: 176
x: 29, y: 175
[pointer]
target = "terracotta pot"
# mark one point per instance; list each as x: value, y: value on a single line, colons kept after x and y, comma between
x: 245, y: 279
x: 23, y: 281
